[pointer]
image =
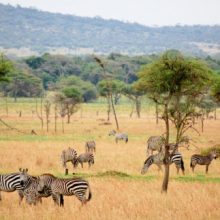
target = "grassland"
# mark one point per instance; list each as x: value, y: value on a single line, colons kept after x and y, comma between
x: 119, y: 190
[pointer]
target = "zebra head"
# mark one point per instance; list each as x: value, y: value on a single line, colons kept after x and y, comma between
x: 41, y: 185
x: 24, y: 177
x: 147, y: 164
x: 112, y: 133
x: 214, y: 154
x: 75, y: 163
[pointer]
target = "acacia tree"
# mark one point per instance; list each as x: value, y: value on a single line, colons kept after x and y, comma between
x: 176, y: 84
x: 107, y: 88
x: 135, y: 96
x: 68, y: 101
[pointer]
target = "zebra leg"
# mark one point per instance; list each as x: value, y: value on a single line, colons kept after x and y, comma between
x: 21, y: 196
x: 193, y: 167
x: 177, y: 170
x: 61, y: 200
x: 81, y: 164
x: 55, y: 199
x: 207, y: 168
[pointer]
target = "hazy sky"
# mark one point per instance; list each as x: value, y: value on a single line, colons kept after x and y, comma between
x: 148, y: 12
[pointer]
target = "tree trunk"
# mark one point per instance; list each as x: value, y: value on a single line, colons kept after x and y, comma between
x: 202, y: 120
x: 167, y: 170
x: 109, y: 108
x: 55, y: 118
x: 166, y: 158
x: 114, y: 112
x: 157, y: 114
x: 138, y: 107
x: 62, y: 124
x: 6, y: 105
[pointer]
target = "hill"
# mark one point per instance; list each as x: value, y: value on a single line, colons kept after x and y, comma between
x: 32, y: 31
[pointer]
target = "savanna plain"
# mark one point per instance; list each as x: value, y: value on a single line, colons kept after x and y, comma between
x: 119, y: 191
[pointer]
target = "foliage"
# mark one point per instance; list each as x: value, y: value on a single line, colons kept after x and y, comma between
x: 87, y: 90
x: 6, y: 67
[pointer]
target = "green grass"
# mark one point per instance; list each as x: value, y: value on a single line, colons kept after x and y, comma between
x: 124, y: 176
x: 198, y: 178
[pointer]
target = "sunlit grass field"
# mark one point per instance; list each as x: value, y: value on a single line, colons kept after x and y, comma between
x: 119, y: 191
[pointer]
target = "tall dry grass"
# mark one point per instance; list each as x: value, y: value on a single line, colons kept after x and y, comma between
x: 113, y: 197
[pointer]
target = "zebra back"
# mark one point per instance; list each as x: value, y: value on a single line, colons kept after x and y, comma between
x: 68, y: 187
x: 10, y: 182
x: 68, y: 155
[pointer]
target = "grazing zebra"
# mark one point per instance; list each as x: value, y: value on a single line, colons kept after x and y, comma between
x: 44, y: 186
x: 156, y: 143
x: 158, y: 160
x: 202, y: 160
x: 30, y: 190
x: 90, y: 146
x: 119, y: 136
x: 83, y: 158
x: 68, y: 155
x: 68, y: 187
x: 11, y: 182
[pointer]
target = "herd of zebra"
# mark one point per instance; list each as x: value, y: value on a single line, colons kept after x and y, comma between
x: 157, y: 143
x: 34, y: 188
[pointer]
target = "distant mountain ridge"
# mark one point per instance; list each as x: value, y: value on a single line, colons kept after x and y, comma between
x: 39, y: 32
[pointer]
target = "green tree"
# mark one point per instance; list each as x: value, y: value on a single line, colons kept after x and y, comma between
x: 68, y: 101
x: 87, y: 89
x: 135, y: 96
x: 176, y: 84
x: 6, y: 67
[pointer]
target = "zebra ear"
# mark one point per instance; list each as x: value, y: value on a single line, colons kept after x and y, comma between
x: 20, y: 169
x: 26, y: 170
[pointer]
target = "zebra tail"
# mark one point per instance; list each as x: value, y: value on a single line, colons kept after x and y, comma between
x: 191, y: 163
x: 126, y: 140
x: 90, y: 195
x: 182, y: 165
x: 61, y: 200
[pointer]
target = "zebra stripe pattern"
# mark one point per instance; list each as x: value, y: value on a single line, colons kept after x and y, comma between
x: 157, y: 159
x: 155, y: 143
x: 69, y: 187
x: 31, y: 190
x: 83, y: 158
x: 68, y: 155
x: 12, y: 182
x: 202, y: 160
x: 119, y: 136
x: 44, y: 186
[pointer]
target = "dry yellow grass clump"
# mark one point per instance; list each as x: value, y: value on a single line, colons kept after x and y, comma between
x: 125, y: 195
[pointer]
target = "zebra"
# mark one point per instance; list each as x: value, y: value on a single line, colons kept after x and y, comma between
x: 157, y: 143
x: 202, y: 160
x: 119, y: 136
x: 90, y: 146
x: 44, y: 186
x: 83, y: 158
x: 30, y: 191
x: 158, y: 160
x: 68, y: 155
x: 11, y: 182
x: 68, y: 187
